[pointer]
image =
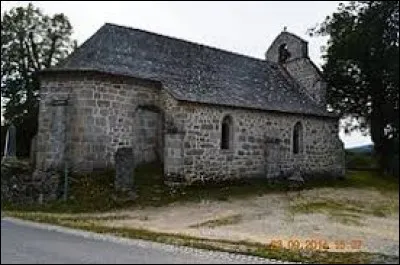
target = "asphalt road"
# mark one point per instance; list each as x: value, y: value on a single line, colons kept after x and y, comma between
x: 25, y: 242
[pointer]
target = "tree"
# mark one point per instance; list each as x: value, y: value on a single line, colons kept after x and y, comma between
x: 30, y: 41
x: 362, y: 69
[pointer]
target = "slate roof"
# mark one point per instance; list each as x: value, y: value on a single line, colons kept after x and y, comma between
x: 191, y: 71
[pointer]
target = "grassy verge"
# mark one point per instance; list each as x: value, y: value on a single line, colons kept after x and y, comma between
x: 347, y: 212
x: 242, y: 247
x: 352, y: 209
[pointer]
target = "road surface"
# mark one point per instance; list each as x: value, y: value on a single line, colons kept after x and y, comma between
x: 28, y: 242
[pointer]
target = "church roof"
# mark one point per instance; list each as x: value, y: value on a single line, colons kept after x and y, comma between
x: 191, y: 71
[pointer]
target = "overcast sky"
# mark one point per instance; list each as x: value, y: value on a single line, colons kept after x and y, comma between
x: 242, y: 27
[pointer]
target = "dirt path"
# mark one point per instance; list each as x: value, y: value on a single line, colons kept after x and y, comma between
x: 361, y: 219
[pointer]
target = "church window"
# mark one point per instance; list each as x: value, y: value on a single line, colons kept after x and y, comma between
x: 297, y: 138
x: 227, y: 133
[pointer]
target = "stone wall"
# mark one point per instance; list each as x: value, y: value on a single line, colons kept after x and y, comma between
x: 101, y: 118
x: 53, y: 116
x: 299, y: 65
x: 297, y: 47
x: 262, y: 144
x: 20, y: 185
x: 106, y: 112
x: 150, y: 135
x: 306, y: 74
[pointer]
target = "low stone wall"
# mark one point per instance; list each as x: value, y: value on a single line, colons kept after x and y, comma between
x: 19, y: 185
x: 173, y: 159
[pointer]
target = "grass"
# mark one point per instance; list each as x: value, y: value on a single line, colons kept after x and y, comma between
x: 361, y: 161
x: 242, y: 247
x: 346, y: 218
x: 228, y: 220
x: 335, y: 210
x: 94, y: 192
x: 335, y: 206
x: 359, y: 179
x: 351, y: 210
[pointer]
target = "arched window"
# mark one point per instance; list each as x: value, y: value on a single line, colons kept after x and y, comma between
x: 297, y: 138
x: 284, y: 53
x: 226, y: 133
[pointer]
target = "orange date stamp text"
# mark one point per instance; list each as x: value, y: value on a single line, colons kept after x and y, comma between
x: 317, y: 244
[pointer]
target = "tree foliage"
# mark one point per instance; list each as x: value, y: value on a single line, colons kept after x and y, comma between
x: 30, y: 41
x: 362, y: 68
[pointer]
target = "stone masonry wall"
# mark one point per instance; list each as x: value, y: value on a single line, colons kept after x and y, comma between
x: 102, y: 116
x: 106, y: 112
x: 297, y: 47
x: 149, y: 137
x: 51, y: 126
x: 305, y: 73
x: 262, y: 145
x: 299, y: 65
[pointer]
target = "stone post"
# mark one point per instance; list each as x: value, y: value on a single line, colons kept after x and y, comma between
x: 124, y: 171
x: 272, y: 157
x: 10, y: 147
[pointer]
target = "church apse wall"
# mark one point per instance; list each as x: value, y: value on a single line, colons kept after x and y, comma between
x: 104, y: 113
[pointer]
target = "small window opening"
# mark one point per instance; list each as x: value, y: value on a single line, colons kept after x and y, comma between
x: 297, y: 138
x: 284, y: 53
x: 226, y: 133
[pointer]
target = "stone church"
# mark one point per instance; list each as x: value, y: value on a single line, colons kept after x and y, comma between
x: 203, y: 113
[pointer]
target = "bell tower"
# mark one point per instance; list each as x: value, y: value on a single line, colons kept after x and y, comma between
x: 291, y: 52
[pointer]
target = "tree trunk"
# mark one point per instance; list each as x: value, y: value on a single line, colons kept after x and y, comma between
x: 378, y: 130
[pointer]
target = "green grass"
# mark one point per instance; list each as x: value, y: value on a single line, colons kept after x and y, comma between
x: 346, y: 218
x: 335, y: 210
x: 228, y: 220
x: 350, y: 206
x: 359, y: 179
x: 352, y: 212
x: 94, y: 192
x: 361, y: 161
x: 241, y: 247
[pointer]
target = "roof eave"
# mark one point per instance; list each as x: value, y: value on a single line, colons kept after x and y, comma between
x: 322, y: 115
x: 45, y: 72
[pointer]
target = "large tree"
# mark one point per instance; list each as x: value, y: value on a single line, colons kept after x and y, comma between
x: 362, y: 68
x: 30, y: 41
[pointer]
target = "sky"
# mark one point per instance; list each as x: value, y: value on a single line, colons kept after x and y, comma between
x: 242, y: 27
